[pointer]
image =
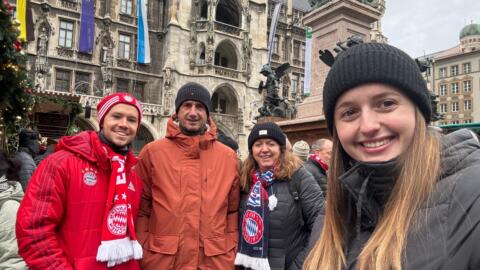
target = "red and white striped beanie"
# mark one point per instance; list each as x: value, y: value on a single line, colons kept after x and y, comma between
x: 111, y: 100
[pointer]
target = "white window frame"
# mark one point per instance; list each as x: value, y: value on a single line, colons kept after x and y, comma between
x: 454, y: 88
x: 124, y: 46
x: 442, y: 72
x: 443, y: 108
x: 443, y: 90
x: 454, y: 70
x: 467, y: 86
x: 467, y: 105
x: 65, y: 34
x: 455, y: 106
x: 466, y: 68
x: 126, y: 7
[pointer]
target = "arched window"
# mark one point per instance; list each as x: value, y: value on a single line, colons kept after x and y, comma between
x: 225, y: 55
x: 224, y: 100
x: 143, y: 137
x: 201, y: 59
x: 203, y: 10
x: 228, y: 12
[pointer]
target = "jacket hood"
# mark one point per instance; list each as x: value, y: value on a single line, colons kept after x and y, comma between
x: 456, y: 150
x: 14, y: 192
x: 88, y: 145
x: 79, y: 144
x: 191, y: 144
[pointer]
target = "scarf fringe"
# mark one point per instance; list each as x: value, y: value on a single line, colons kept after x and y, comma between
x: 252, y: 262
x: 119, y: 251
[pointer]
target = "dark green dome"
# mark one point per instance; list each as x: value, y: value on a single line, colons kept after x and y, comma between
x: 470, y: 30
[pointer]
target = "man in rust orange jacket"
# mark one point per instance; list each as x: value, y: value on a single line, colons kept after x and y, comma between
x: 189, y: 209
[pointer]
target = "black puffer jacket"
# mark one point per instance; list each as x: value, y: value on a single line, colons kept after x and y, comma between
x: 291, y: 221
x: 318, y: 173
x: 448, y: 234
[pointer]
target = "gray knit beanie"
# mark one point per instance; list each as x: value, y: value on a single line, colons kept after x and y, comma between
x: 375, y: 63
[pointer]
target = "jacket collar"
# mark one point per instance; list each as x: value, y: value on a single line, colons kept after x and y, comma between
x: 191, y: 144
x: 368, y: 187
x: 87, y: 145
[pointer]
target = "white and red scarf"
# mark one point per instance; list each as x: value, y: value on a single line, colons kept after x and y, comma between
x: 119, y: 242
x: 319, y: 161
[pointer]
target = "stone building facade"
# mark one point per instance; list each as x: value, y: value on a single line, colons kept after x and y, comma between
x: 219, y: 44
x: 454, y: 76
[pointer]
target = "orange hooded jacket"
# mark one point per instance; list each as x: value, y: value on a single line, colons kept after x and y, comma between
x: 189, y: 210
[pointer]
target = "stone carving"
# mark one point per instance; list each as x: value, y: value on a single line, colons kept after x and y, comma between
x: 318, y: 3
x: 247, y: 55
x: 41, y: 64
x: 174, y: 6
x: 168, y: 94
x: 273, y: 104
x: 106, y: 57
x: 210, y: 54
x: 193, y: 44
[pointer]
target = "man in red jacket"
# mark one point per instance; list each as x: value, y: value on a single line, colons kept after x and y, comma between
x: 82, y: 201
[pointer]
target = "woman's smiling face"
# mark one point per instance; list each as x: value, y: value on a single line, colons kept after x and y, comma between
x: 374, y: 122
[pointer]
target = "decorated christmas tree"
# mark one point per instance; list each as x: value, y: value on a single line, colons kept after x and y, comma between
x: 15, y: 99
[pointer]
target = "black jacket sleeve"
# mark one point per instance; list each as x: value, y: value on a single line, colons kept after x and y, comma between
x: 312, y: 203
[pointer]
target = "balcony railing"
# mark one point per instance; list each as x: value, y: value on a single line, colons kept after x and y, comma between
x: 226, y: 28
x: 147, y: 108
x: 228, y: 120
x: 227, y: 72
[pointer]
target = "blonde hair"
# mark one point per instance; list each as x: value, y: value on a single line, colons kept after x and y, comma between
x: 287, y: 164
x: 419, y: 168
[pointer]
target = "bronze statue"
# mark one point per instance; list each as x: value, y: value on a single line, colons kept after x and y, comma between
x: 273, y: 104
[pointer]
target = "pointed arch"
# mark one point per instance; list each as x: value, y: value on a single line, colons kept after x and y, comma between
x: 229, y: 12
x: 226, y: 54
x: 225, y: 99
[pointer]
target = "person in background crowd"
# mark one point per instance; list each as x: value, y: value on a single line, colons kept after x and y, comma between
x: 221, y: 137
x: 50, y: 148
x: 82, y: 202
x: 400, y: 195
x: 279, y: 205
x: 301, y: 150
x: 11, y: 194
x: 317, y: 163
x: 28, y: 147
x: 189, y: 211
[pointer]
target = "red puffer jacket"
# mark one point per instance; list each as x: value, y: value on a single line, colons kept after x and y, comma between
x: 59, y: 222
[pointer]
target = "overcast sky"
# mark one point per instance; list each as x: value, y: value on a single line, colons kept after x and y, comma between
x: 427, y: 26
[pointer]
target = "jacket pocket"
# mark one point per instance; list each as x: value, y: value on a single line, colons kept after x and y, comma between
x: 160, y: 252
x: 165, y: 244
x: 219, y: 252
x: 218, y: 245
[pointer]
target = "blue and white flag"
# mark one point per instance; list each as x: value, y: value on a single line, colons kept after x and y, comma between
x: 143, y: 48
x: 308, y: 61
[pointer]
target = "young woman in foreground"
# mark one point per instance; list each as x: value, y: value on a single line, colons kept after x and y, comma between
x: 400, y: 195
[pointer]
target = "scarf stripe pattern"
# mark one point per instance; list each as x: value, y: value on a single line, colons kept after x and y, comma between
x: 119, y: 242
x: 253, y: 244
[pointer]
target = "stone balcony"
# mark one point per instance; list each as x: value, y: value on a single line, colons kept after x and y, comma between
x: 228, y: 120
x: 227, y: 72
x: 147, y: 108
x: 202, y: 25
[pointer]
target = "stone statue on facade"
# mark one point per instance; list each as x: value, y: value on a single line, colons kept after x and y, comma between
x: 273, y: 104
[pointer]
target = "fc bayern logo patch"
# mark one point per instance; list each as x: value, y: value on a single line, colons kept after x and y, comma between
x: 128, y: 98
x: 117, y: 220
x: 89, y: 178
x: 252, y: 227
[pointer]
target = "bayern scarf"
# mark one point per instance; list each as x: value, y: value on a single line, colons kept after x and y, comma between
x: 119, y: 242
x: 319, y: 161
x: 253, y: 244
